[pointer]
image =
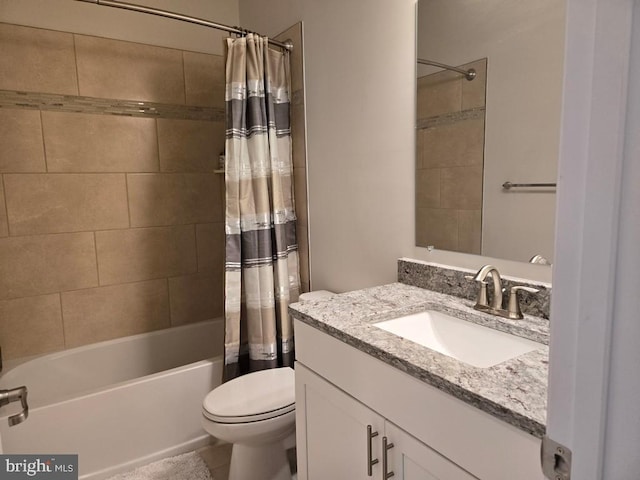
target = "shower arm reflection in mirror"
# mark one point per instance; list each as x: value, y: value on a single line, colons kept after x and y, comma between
x: 468, y: 74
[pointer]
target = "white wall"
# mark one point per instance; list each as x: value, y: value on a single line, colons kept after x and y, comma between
x: 86, y: 18
x: 524, y: 45
x: 622, y: 441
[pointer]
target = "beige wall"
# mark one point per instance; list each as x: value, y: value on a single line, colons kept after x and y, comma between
x: 110, y: 225
x: 524, y: 45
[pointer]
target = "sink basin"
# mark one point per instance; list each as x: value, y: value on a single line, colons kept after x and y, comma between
x: 465, y: 341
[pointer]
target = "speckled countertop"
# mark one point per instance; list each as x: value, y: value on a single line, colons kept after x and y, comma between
x: 514, y: 391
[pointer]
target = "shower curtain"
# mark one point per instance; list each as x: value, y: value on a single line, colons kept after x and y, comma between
x: 261, y: 267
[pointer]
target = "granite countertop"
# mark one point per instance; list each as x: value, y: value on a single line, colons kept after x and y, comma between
x: 514, y: 391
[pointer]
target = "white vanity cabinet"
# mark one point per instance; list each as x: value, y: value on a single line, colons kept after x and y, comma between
x: 411, y: 459
x: 346, y: 440
x: 340, y: 391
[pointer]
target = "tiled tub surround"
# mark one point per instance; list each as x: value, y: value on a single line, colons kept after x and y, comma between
x: 111, y: 215
x: 513, y: 391
x: 452, y: 281
x: 450, y: 159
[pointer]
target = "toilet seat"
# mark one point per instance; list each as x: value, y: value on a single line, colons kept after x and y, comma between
x: 253, y: 397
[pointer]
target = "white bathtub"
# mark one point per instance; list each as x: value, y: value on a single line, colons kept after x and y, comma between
x: 117, y: 404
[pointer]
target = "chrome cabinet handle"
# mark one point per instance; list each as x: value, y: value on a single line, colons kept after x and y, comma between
x: 385, y: 460
x: 370, y: 461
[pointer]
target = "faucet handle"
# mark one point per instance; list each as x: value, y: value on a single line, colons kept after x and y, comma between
x: 482, y: 299
x: 513, y: 309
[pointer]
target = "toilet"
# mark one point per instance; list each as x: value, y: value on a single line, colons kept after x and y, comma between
x: 256, y: 413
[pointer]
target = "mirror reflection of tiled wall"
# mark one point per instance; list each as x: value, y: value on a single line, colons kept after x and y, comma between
x: 449, y: 159
x: 111, y: 219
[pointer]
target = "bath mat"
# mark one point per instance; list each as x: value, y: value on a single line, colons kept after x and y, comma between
x: 188, y: 466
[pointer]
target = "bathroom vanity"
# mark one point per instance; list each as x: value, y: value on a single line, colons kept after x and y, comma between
x: 370, y: 403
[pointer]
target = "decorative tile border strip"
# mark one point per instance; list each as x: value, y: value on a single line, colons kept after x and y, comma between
x: 449, y: 118
x: 105, y: 106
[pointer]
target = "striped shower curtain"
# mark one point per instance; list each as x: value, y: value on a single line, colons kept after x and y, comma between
x: 261, y: 268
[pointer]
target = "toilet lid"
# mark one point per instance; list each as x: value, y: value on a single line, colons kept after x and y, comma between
x: 252, y: 397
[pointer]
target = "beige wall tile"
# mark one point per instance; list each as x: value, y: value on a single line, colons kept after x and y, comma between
x: 437, y: 227
x: 419, y: 147
x: 30, y: 326
x: 145, y: 253
x: 125, y: 70
x: 4, y: 226
x: 78, y: 142
x: 37, y: 60
x: 190, y: 145
x: 21, y: 141
x: 42, y: 203
x: 204, y: 79
x: 461, y: 187
x: 174, y: 199
x: 40, y: 264
x: 470, y: 231
x: 103, y: 313
x: 300, y: 194
x: 303, y: 256
x: 428, y: 188
x: 456, y: 144
x: 196, y: 297
x: 439, y: 93
x: 298, y: 148
x: 474, y: 91
x: 211, y: 245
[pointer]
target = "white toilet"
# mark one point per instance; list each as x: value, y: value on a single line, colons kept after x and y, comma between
x: 256, y: 413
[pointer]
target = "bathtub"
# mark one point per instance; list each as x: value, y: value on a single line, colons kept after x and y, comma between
x: 117, y: 404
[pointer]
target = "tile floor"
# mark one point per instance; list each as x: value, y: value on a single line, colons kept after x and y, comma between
x: 218, y: 455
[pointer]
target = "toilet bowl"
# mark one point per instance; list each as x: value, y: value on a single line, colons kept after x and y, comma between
x: 256, y: 413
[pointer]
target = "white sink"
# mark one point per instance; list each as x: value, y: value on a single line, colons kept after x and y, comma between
x: 465, y: 341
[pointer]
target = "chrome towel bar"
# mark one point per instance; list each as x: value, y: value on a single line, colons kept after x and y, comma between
x: 509, y: 185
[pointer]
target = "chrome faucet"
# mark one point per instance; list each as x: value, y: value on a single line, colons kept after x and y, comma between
x: 13, y: 395
x: 513, y: 310
x: 496, y: 301
x: 540, y: 260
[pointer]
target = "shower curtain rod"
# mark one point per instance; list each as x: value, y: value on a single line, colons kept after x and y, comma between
x: 287, y: 45
x: 468, y: 74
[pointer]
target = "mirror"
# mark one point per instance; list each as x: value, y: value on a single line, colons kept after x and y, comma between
x: 503, y: 126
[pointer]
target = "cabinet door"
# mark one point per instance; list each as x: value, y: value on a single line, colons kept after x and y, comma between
x: 331, y: 430
x: 410, y: 459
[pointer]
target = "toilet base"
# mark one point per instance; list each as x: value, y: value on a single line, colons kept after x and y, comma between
x: 264, y: 462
